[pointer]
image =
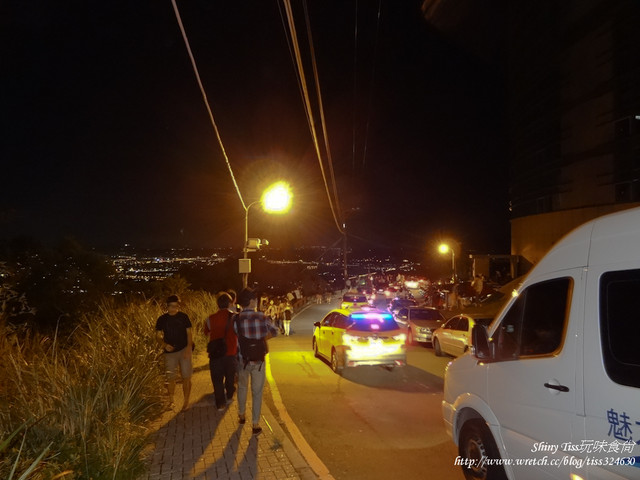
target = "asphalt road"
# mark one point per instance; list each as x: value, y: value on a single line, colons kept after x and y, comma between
x: 369, y: 423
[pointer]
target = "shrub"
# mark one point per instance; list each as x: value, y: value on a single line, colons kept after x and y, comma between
x: 90, y: 394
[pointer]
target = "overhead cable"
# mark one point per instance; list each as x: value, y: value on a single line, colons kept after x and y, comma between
x: 355, y: 88
x: 206, y: 102
x: 321, y: 108
x: 373, y: 76
x: 287, y: 35
x: 307, y: 101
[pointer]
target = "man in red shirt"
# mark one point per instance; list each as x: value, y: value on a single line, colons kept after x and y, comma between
x: 223, y: 369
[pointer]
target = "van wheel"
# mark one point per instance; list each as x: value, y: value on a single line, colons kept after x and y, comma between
x: 334, y: 362
x: 476, y: 443
x: 315, y: 348
x: 436, y: 347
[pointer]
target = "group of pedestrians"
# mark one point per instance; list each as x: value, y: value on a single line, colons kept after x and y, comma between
x: 238, y: 334
x: 280, y: 310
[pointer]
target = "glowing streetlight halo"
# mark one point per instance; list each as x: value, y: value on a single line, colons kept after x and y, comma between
x: 277, y: 198
x: 443, y: 248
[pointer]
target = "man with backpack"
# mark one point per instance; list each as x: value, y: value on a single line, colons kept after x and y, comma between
x: 253, y: 329
x: 222, y: 349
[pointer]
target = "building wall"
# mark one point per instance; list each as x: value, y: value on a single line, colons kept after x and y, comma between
x: 573, y: 109
x: 575, y: 144
x: 533, y: 236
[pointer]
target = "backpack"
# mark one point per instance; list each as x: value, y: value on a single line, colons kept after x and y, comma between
x: 251, y: 349
x: 217, y: 348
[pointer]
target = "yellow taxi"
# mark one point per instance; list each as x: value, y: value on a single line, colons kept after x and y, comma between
x: 350, y: 338
x: 354, y: 300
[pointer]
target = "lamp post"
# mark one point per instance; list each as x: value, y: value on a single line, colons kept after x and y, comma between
x: 275, y: 199
x: 444, y: 248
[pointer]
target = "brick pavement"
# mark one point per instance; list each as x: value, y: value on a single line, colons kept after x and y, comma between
x: 205, y: 444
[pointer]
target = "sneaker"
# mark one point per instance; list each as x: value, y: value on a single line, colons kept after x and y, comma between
x: 229, y: 401
x: 241, y: 419
x: 256, y: 430
x: 221, y: 408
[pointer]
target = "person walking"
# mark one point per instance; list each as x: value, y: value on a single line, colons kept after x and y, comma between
x: 173, y: 332
x: 222, y: 349
x: 288, y: 316
x: 478, y: 286
x: 253, y: 329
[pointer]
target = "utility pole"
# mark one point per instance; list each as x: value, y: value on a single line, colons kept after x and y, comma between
x: 344, y: 254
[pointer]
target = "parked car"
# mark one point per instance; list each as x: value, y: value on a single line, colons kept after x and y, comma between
x: 421, y: 322
x: 454, y: 337
x: 354, y: 300
x: 350, y: 338
x: 558, y: 370
x: 397, y: 303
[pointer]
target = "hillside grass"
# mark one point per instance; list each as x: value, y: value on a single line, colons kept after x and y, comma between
x: 86, y: 400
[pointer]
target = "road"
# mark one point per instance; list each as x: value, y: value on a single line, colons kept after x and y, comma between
x: 369, y: 423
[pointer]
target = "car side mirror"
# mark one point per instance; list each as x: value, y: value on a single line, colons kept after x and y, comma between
x: 316, y: 324
x: 480, y: 342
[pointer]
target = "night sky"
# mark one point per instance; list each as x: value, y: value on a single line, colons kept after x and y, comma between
x: 105, y: 135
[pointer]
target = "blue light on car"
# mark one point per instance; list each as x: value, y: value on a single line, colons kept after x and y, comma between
x: 372, y: 316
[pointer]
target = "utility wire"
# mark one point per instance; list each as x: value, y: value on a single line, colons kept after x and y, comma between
x: 206, y: 102
x: 355, y: 87
x: 373, y: 76
x: 287, y: 35
x: 307, y: 100
x: 321, y: 108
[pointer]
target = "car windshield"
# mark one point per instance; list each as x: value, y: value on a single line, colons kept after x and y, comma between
x: 354, y: 298
x: 424, y: 314
x: 373, y: 322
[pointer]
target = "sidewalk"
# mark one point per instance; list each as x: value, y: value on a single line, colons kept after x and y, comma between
x: 203, y: 443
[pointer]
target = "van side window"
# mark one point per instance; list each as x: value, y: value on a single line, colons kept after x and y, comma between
x: 536, y: 322
x: 620, y: 326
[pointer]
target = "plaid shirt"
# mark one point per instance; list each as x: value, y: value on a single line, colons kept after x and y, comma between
x: 252, y: 324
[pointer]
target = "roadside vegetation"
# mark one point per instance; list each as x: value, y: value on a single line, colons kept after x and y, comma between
x: 85, y: 399
x: 81, y: 376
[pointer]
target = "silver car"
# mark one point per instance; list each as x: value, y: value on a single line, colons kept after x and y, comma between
x: 421, y: 322
x: 454, y: 337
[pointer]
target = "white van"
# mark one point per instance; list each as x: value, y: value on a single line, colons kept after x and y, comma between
x: 551, y: 388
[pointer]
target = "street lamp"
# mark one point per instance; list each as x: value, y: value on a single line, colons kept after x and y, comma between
x: 443, y: 248
x: 275, y: 199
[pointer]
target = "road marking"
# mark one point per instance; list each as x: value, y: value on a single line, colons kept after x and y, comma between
x: 307, y: 452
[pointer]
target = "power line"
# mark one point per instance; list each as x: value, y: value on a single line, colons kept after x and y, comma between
x: 308, y: 109
x: 321, y: 107
x: 355, y: 87
x: 373, y: 76
x: 206, y: 102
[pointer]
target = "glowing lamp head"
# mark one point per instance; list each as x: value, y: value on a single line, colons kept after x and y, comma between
x: 277, y: 198
x: 443, y: 248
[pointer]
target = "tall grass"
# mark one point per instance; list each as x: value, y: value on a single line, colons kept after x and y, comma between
x: 90, y: 394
